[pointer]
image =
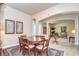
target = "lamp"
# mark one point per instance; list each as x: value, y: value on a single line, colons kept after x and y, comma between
x: 73, y: 31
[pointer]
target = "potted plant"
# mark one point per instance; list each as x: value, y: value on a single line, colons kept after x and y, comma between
x: 55, y: 34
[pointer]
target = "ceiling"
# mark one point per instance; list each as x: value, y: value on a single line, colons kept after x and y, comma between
x: 31, y: 8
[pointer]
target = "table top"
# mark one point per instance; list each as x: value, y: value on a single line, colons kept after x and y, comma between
x: 34, y: 39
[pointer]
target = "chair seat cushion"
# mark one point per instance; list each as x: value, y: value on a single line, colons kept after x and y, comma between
x: 30, y: 46
x: 40, y: 47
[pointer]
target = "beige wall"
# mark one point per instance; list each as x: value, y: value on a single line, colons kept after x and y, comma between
x: 69, y: 24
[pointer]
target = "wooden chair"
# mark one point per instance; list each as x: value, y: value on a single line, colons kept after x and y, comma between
x: 21, y: 43
x: 41, y: 48
x: 23, y: 35
x: 28, y: 47
x: 25, y: 46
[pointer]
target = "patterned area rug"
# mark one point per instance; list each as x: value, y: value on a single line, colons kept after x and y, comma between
x: 14, y: 51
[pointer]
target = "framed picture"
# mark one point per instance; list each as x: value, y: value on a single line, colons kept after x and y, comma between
x: 9, y: 26
x: 19, y: 27
x: 63, y: 28
x: 44, y: 29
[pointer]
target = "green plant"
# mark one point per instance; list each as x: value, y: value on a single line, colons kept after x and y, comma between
x: 55, y: 34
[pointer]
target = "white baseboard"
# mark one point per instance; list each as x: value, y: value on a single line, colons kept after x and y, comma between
x: 9, y: 46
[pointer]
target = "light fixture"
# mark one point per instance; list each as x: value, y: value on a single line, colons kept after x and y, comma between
x: 73, y: 31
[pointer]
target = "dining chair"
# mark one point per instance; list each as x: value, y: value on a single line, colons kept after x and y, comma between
x: 28, y: 47
x: 41, y: 48
x: 21, y: 41
x: 23, y: 35
x: 21, y: 44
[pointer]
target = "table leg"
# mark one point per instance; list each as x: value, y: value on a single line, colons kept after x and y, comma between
x: 34, y: 51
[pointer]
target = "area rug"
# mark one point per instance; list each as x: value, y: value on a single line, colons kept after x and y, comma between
x: 14, y: 51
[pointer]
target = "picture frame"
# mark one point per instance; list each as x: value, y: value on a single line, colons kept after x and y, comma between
x: 63, y: 28
x: 9, y: 26
x: 44, y: 30
x: 19, y: 27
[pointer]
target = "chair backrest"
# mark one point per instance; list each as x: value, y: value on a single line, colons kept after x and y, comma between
x: 46, y: 43
x: 22, y: 42
x: 23, y: 36
x: 26, y: 41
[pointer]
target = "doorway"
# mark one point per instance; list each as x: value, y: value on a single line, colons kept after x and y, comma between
x: 64, y: 28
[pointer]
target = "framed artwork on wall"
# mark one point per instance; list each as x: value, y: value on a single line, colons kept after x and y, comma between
x: 9, y: 26
x: 63, y: 29
x: 19, y: 27
x: 44, y: 29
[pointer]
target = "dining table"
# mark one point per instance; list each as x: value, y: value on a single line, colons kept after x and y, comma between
x: 35, y: 40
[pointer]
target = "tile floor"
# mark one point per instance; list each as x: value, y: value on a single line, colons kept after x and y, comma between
x: 63, y: 44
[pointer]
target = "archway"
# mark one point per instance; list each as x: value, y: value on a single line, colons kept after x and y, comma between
x: 71, y: 16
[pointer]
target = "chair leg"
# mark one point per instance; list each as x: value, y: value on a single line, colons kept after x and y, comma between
x: 36, y: 53
x: 19, y: 49
x: 29, y: 52
x: 23, y: 53
x: 47, y: 52
x: 41, y: 53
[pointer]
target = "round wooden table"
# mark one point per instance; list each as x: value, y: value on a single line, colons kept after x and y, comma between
x: 35, y: 41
